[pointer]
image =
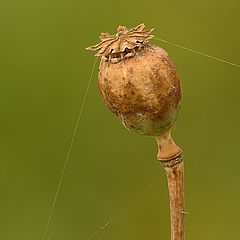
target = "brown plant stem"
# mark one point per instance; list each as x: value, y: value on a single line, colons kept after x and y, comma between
x: 170, y: 158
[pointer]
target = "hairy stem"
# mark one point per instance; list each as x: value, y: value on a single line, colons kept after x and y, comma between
x: 174, y: 167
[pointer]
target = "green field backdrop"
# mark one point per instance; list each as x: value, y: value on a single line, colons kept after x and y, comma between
x: 44, y: 71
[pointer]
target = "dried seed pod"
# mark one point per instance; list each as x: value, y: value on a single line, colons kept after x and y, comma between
x: 140, y: 85
x: 138, y: 81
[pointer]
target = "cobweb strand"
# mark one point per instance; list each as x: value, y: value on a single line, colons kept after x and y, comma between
x: 117, y: 215
x: 197, y: 52
x: 68, y: 154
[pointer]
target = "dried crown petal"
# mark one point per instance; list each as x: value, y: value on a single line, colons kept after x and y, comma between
x: 124, y: 42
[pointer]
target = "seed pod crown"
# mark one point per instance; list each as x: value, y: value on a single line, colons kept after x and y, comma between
x: 122, y: 45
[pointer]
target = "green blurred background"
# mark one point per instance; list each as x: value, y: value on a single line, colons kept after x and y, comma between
x: 44, y: 71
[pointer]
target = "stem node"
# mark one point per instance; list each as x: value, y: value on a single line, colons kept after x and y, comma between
x: 170, y: 157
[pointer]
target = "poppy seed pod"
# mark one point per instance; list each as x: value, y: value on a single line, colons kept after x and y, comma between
x: 140, y: 85
x: 138, y: 81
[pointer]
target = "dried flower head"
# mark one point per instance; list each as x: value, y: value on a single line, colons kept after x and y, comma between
x: 122, y: 45
x: 138, y: 81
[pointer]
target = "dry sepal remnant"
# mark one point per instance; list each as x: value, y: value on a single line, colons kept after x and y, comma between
x: 138, y: 81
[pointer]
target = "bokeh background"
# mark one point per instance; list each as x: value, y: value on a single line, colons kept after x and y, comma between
x: 44, y: 71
